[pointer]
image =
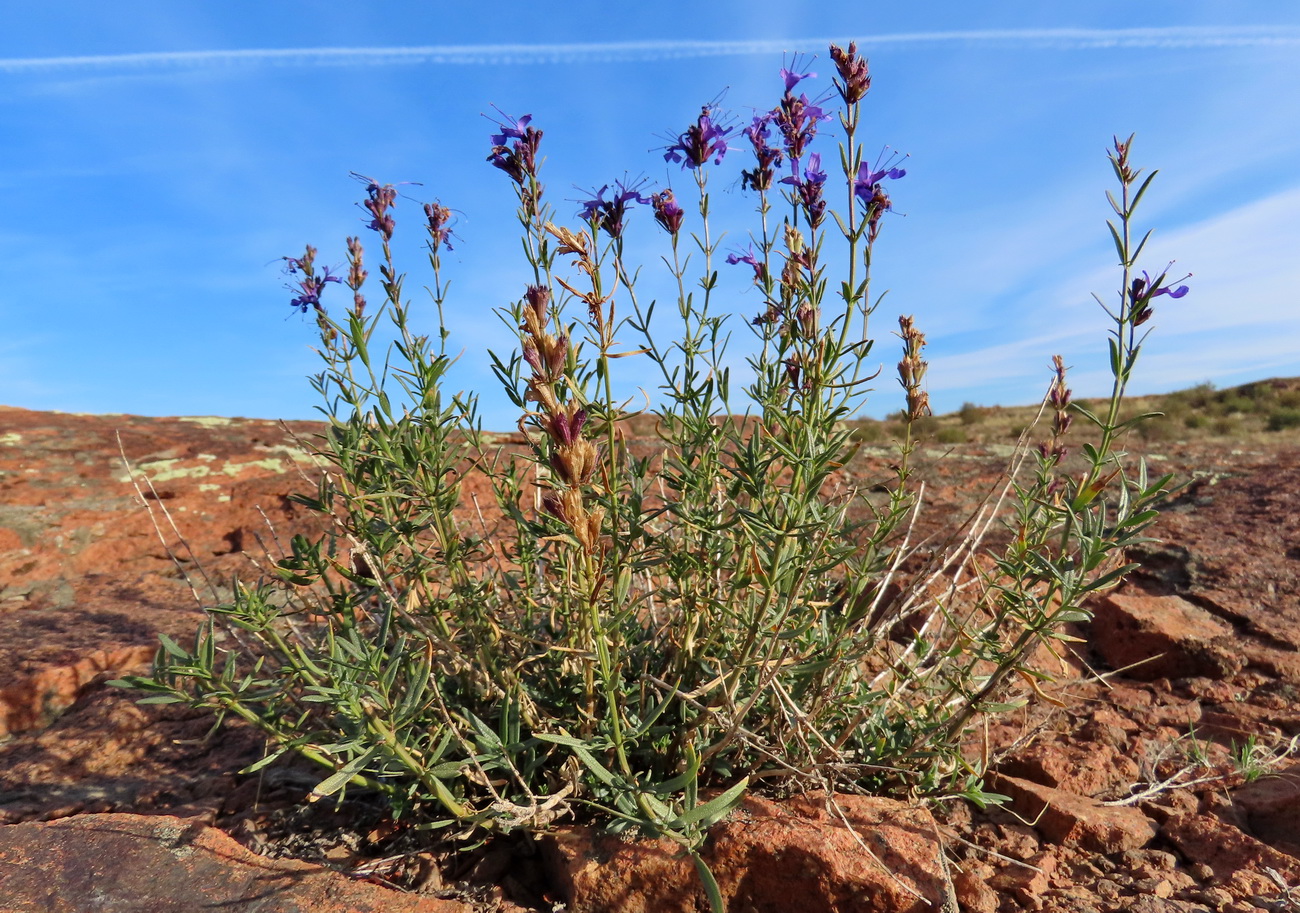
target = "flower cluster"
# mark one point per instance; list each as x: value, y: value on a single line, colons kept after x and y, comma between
x: 311, y: 285
x: 767, y: 157
x: 1058, y: 397
x: 705, y: 139
x: 608, y: 215
x: 796, y: 116
x: 667, y: 211
x: 808, y: 189
x: 514, y: 149
x: 855, y: 80
x: 439, y: 225
x: 911, y: 370
x: 572, y: 458
x: 871, y: 193
x: 379, y: 201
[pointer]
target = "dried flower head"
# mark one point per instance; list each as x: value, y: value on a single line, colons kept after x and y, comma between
x: 855, y: 80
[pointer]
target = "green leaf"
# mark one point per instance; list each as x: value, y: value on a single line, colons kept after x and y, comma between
x: 336, y: 781
x: 172, y: 648
x: 714, y: 810
x: 264, y: 762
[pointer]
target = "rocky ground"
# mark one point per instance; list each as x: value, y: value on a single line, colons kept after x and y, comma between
x: 1160, y: 784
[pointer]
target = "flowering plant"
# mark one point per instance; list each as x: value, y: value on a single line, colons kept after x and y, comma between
x: 642, y: 634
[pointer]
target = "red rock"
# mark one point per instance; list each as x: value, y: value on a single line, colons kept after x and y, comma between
x: 38, y: 699
x: 768, y: 856
x: 1079, y: 769
x: 173, y: 865
x: 1070, y: 820
x: 1225, y: 849
x: 1160, y: 637
x: 1272, y: 808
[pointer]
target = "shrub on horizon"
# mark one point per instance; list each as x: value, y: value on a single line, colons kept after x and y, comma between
x: 641, y: 639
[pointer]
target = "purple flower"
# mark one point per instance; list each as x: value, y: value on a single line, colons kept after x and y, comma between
x: 809, y: 188
x: 868, y: 189
x: 609, y: 214
x: 767, y: 157
x: 511, y: 128
x: 866, y: 184
x: 379, y: 200
x: 309, y: 287
x: 514, y: 149
x: 792, y: 78
x: 1162, y: 289
x: 667, y: 212
x: 703, y: 140
x: 797, y: 117
x: 760, y: 268
x: 439, y: 217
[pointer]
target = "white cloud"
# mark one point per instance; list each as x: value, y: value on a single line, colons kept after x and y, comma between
x: 485, y: 54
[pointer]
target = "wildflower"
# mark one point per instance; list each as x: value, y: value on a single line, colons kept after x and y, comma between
x: 792, y: 78
x: 514, y: 149
x: 702, y: 140
x: 767, y: 156
x: 808, y: 188
x: 667, y: 212
x: 868, y: 189
x: 797, y: 117
x: 608, y: 214
x: 439, y: 217
x: 310, y: 289
x: 760, y: 268
x: 1146, y: 288
x: 379, y: 200
x: 1140, y: 287
x: 855, y: 81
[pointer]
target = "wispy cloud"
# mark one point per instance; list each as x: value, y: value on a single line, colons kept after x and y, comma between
x: 484, y: 54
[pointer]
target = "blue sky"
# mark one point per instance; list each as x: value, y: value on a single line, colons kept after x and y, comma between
x: 160, y: 156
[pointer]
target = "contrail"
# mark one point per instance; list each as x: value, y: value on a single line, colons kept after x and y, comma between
x: 619, y: 51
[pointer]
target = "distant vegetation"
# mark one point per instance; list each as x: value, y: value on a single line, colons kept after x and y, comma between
x: 1267, y: 410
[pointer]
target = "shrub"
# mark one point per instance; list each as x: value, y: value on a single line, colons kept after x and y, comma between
x: 643, y: 638
x: 951, y: 436
x: 1283, y: 419
x: 972, y: 414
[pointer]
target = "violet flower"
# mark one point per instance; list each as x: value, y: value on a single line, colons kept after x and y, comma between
x: 760, y: 268
x: 514, y: 149
x: 439, y: 217
x: 797, y: 117
x: 379, y: 200
x: 808, y: 188
x: 608, y: 215
x: 1159, y: 289
x: 702, y: 140
x: 309, y: 287
x: 767, y: 157
x: 667, y: 212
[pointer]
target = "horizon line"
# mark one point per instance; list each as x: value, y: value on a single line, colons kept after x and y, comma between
x: 1172, y: 37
